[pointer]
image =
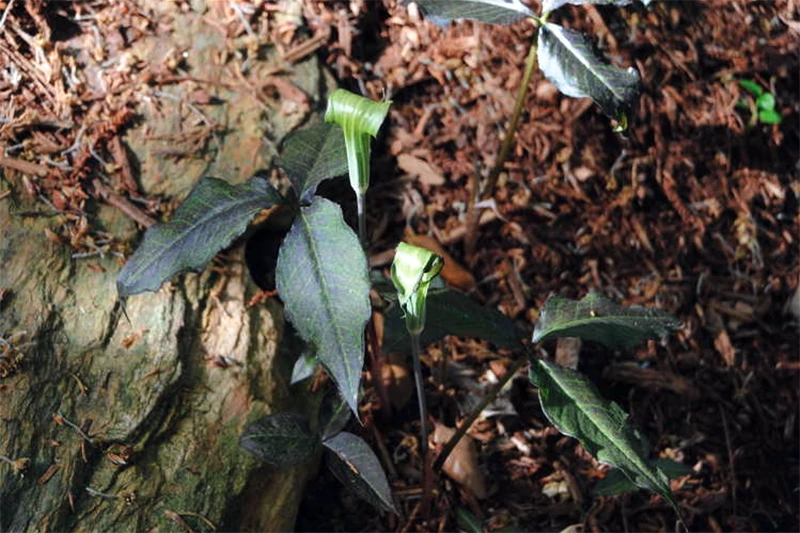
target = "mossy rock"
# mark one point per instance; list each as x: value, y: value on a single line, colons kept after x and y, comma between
x: 162, y: 418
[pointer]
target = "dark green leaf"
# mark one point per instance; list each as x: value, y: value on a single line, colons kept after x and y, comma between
x: 769, y: 116
x: 575, y: 408
x: 304, y: 367
x: 354, y: 463
x: 313, y: 155
x: 334, y: 414
x: 569, y: 60
x: 282, y: 439
x: 615, y: 481
x: 491, y: 11
x: 210, y: 218
x: 751, y: 87
x: 766, y: 102
x: 323, y: 281
x: 550, y: 5
x: 599, y: 319
x: 452, y: 313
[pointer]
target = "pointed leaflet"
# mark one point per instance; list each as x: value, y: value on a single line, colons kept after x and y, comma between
x: 596, y: 318
x: 355, y: 464
x: 210, y: 218
x: 282, y: 439
x: 334, y: 414
x: 568, y: 60
x: 550, y: 5
x: 491, y: 11
x: 322, y: 278
x: 303, y: 368
x: 313, y: 155
x: 452, y: 313
x: 575, y: 408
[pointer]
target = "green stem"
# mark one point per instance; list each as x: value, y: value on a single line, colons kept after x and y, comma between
x: 489, y: 398
x: 505, y: 148
x: 423, y: 410
x: 361, y: 201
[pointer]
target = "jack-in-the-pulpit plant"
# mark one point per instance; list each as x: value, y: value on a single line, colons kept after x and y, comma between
x: 323, y: 280
x: 413, y: 270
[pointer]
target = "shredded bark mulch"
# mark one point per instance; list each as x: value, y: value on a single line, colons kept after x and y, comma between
x: 694, y: 211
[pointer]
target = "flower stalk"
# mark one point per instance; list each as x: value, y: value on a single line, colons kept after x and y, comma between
x: 413, y: 270
x: 360, y: 119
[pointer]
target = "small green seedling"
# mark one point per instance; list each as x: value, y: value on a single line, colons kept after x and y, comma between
x: 761, y: 104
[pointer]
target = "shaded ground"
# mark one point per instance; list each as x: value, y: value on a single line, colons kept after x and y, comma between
x: 696, y: 212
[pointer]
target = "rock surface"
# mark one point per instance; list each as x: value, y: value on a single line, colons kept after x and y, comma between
x: 160, y: 410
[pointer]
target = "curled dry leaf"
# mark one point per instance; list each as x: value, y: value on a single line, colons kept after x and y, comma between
x: 414, y: 166
x: 724, y: 346
x: 453, y: 273
x: 568, y: 351
x: 462, y: 464
x: 397, y: 380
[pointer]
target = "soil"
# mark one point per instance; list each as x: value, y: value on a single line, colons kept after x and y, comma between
x: 694, y: 210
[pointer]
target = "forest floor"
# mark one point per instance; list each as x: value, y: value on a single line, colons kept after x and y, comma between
x: 695, y: 211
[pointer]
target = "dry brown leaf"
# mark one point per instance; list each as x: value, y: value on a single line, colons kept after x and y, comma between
x: 724, y: 346
x: 397, y: 381
x: 653, y: 379
x: 568, y: 352
x: 414, y: 166
x: 452, y: 272
x: 462, y: 463
x: 793, y: 304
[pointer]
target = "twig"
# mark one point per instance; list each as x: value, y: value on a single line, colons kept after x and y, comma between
x: 411, y: 517
x: 489, y: 398
x: 17, y: 465
x: 208, y: 522
x: 59, y: 418
x: 308, y: 47
x: 103, y: 495
x: 123, y: 205
x: 5, y: 13
x: 240, y: 14
x: 24, y: 166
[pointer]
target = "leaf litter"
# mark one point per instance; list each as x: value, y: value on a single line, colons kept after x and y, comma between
x: 696, y: 212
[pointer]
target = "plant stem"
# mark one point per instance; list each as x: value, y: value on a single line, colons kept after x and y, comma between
x: 361, y: 201
x: 489, y: 398
x: 505, y: 148
x: 423, y: 410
